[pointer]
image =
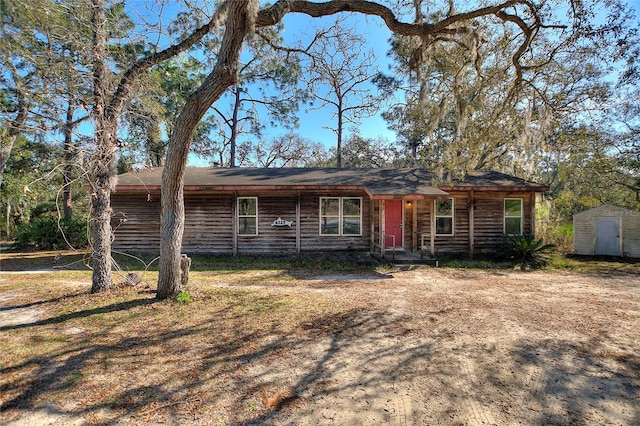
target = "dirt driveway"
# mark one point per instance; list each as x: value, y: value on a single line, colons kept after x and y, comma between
x: 457, y: 347
x: 446, y: 346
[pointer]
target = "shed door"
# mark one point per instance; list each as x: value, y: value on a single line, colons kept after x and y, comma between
x: 393, y: 223
x: 608, y: 236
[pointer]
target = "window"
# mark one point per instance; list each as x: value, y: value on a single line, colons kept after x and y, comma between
x: 512, y: 216
x: 340, y: 216
x: 444, y: 217
x: 247, y: 216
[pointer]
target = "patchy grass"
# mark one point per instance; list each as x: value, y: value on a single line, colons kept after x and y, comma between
x: 556, y: 262
x: 43, y: 260
x: 588, y: 264
x: 72, y: 260
x: 474, y: 264
x: 275, y: 346
x: 125, y: 355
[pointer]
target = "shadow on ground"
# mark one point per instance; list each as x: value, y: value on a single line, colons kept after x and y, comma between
x: 361, y: 365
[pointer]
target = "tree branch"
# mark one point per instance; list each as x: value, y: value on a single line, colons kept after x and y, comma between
x: 144, y: 64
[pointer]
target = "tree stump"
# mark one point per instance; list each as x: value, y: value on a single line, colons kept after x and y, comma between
x: 132, y: 279
x: 185, y: 265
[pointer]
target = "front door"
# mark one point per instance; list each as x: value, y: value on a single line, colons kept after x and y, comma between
x: 393, y: 223
x: 608, y: 236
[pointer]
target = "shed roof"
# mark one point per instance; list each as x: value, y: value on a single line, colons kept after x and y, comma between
x: 379, y: 183
x: 607, y: 210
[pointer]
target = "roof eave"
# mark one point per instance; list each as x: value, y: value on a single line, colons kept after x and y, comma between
x: 495, y: 188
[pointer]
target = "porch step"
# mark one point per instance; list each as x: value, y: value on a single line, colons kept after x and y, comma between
x: 405, y: 258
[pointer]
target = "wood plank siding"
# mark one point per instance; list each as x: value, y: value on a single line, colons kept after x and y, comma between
x: 212, y: 211
x: 209, y: 225
x: 311, y: 239
x: 136, y: 222
x: 489, y: 218
x: 478, y: 222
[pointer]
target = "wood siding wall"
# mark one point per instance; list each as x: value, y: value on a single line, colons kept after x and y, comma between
x: 310, y: 225
x: 209, y: 224
x: 489, y: 218
x: 207, y: 227
x: 136, y: 222
x: 488, y: 222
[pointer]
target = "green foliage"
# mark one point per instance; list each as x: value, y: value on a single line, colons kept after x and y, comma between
x: 560, y: 235
x: 183, y: 297
x: 527, y: 251
x: 47, y: 233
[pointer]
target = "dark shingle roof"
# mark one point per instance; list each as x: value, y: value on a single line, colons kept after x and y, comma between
x: 377, y: 182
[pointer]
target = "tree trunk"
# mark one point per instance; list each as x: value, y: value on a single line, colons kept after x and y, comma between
x: 339, y: 132
x: 155, y: 146
x: 103, y: 179
x: 101, y: 236
x: 8, y: 138
x: 223, y: 75
x: 67, y: 200
x: 8, y: 217
x: 234, y: 128
x: 103, y: 162
x: 241, y: 16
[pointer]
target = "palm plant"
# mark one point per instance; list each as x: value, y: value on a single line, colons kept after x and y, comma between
x: 528, y: 251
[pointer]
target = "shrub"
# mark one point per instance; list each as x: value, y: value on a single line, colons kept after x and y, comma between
x: 183, y: 297
x: 46, y: 234
x: 527, y: 251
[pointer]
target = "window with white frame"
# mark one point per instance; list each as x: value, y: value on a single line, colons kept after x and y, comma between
x: 444, y: 216
x: 247, y: 215
x: 513, y: 216
x: 340, y: 216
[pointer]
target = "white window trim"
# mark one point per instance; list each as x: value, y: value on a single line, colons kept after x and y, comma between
x: 504, y: 214
x: 452, y: 216
x: 239, y: 216
x: 340, y: 216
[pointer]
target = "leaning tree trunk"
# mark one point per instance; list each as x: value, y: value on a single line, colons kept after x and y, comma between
x: 223, y: 75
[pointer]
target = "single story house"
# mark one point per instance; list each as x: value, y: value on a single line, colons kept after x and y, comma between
x: 607, y: 230
x: 289, y: 210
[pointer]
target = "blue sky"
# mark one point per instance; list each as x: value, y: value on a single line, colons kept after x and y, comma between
x: 313, y: 123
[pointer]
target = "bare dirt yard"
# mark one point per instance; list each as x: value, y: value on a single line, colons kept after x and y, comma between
x: 423, y: 346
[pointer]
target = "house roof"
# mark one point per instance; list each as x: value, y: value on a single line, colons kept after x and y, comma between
x: 378, y: 183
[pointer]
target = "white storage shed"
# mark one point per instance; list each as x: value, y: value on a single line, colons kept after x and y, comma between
x: 607, y: 230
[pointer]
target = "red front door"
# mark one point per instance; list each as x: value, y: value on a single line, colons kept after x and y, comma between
x: 393, y: 223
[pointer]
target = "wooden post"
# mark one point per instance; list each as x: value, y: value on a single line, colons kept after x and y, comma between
x: 298, y: 232
x: 414, y: 225
x: 372, y: 228
x: 234, y: 223
x: 532, y: 200
x: 382, y: 233
x: 471, y: 223
x: 185, y: 265
x: 432, y: 226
